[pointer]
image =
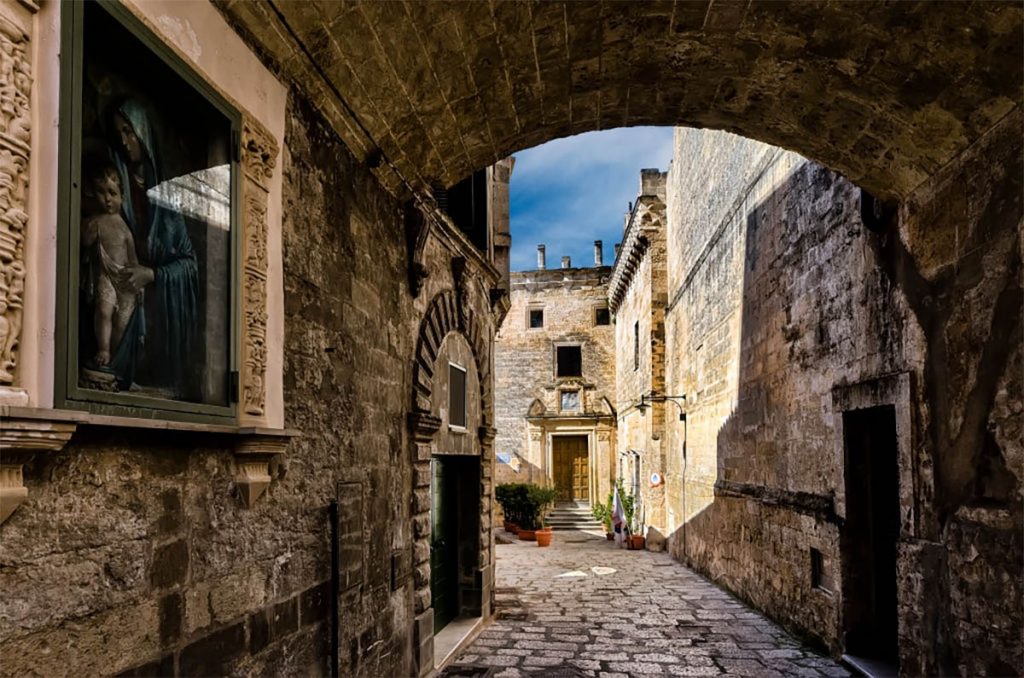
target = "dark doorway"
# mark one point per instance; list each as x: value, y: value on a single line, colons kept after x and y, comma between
x: 455, y: 538
x: 870, y: 534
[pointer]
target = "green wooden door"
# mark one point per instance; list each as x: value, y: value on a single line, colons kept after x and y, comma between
x: 444, y: 553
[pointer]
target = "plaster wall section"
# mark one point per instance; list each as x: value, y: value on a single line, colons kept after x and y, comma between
x: 524, y: 375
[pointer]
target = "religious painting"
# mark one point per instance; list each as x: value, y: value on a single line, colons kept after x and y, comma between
x: 152, y: 233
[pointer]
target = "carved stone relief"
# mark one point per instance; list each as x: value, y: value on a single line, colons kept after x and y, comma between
x: 15, y: 126
x: 259, y: 156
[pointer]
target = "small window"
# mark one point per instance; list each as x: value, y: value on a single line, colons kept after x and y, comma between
x: 456, y: 396
x: 821, y: 574
x: 536, y: 318
x: 636, y: 345
x: 570, y: 401
x: 568, y: 361
x: 602, y: 316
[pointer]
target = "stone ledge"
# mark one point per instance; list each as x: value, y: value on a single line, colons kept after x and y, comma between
x: 29, y: 431
x: 815, y: 505
x: 82, y: 418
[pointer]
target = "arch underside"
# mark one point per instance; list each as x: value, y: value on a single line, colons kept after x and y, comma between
x: 884, y: 93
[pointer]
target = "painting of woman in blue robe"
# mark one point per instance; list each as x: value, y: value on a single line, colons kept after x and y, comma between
x: 155, y: 274
x: 156, y: 346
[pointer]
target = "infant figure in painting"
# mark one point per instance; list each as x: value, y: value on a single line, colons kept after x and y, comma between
x: 110, y: 245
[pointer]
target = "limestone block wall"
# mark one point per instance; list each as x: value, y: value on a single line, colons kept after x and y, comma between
x: 783, y: 309
x: 134, y: 553
x: 763, y: 321
x: 524, y: 357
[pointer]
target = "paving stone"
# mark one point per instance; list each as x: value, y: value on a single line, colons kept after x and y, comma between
x: 652, y: 616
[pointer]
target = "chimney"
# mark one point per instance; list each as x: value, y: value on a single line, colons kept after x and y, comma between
x: 541, y: 265
x: 566, y: 262
x: 598, y: 253
x: 617, y: 246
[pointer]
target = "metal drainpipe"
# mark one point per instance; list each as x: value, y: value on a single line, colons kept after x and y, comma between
x: 332, y: 515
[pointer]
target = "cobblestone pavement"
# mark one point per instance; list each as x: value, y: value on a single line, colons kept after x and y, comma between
x: 585, y: 608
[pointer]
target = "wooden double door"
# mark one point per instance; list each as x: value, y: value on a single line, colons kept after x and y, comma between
x: 571, y: 468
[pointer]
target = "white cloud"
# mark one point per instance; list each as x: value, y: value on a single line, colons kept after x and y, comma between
x: 571, y: 191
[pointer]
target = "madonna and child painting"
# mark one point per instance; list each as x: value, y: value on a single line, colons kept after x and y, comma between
x: 154, y: 229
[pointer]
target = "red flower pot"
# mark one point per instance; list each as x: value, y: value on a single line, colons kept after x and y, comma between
x: 544, y: 537
x: 610, y: 536
x: 637, y: 542
x: 527, y: 535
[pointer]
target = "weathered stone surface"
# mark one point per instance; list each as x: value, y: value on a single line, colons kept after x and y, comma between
x: 647, y: 615
x: 528, y: 405
x: 885, y: 94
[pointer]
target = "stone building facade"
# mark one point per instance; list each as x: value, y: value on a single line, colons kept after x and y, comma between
x: 295, y: 538
x: 806, y: 361
x: 554, y: 368
x: 637, y: 298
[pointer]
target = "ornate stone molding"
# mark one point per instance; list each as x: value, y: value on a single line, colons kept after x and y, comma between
x: 20, y: 441
x: 259, y: 156
x: 254, y: 453
x: 15, y: 137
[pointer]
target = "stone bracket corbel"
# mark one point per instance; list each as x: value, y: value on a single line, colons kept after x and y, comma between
x: 256, y: 452
x: 21, y: 440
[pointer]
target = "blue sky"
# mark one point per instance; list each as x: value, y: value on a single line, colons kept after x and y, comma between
x: 570, y: 192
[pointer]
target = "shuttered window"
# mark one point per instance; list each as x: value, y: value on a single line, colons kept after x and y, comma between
x: 456, y: 396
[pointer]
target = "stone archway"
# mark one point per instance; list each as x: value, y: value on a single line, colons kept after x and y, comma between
x: 429, y: 92
x: 447, y: 319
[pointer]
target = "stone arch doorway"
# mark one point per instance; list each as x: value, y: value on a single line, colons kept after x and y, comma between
x: 885, y: 94
x: 452, y: 459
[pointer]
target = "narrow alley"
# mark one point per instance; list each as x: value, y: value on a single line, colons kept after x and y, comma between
x: 583, y: 607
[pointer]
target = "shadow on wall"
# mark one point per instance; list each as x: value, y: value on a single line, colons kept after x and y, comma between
x: 826, y: 304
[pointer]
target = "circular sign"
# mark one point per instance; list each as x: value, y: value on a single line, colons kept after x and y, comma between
x: 655, y: 479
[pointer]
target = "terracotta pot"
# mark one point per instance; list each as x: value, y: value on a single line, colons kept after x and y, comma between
x: 527, y: 535
x: 514, y: 528
x: 610, y: 536
x: 510, y: 526
x: 544, y: 537
x: 637, y: 542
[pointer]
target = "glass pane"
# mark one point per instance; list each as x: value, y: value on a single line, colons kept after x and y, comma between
x: 154, y: 282
x: 570, y: 401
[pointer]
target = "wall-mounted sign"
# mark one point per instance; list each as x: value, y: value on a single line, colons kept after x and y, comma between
x: 656, y: 479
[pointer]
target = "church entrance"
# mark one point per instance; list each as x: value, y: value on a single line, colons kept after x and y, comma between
x: 571, y: 468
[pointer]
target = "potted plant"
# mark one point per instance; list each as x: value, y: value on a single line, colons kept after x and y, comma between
x: 541, y: 499
x: 504, y: 495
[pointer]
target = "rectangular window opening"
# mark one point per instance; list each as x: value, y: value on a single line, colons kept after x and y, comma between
x: 636, y: 345
x: 456, y: 396
x: 821, y: 574
x: 602, y: 316
x: 536, y: 318
x: 568, y: 361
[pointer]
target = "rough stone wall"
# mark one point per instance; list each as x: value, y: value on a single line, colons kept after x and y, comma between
x: 957, y: 263
x: 781, y: 304
x: 774, y: 300
x: 134, y: 554
x: 524, y: 357
x: 640, y: 350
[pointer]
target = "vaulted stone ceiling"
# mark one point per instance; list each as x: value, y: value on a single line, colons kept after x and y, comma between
x: 885, y: 92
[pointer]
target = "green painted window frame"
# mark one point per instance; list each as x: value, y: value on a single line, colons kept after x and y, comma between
x: 67, y: 393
